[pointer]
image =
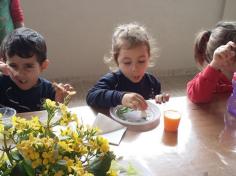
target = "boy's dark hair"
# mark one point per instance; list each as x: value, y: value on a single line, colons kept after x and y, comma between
x: 25, y: 43
x: 208, y: 40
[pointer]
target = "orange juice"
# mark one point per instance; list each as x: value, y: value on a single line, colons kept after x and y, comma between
x: 171, y: 120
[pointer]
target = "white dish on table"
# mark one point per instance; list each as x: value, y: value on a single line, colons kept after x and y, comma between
x: 137, y: 120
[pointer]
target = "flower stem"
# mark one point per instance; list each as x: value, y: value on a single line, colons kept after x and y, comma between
x: 50, y: 117
x: 7, y: 150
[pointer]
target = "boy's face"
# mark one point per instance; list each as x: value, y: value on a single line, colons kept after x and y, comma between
x: 25, y: 71
x: 133, y: 62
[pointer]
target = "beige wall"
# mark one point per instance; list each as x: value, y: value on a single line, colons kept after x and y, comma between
x: 78, y: 32
x: 230, y: 10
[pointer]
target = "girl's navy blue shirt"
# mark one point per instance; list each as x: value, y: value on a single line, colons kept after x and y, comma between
x: 110, y: 89
x: 25, y: 100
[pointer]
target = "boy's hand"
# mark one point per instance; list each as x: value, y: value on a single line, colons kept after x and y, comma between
x: 62, y: 91
x: 162, y: 98
x: 134, y: 101
x: 4, y: 68
x: 224, y: 57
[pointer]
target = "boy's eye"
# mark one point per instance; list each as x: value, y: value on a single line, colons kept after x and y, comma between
x: 12, y: 65
x: 141, y: 61
x: 127, y: 63
x: 29, y: 66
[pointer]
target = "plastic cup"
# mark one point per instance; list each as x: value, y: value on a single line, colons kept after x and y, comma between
x: 171, y: 120
x: 6, y: 119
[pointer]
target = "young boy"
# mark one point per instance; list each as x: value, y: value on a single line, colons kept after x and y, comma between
x: 24, y: 57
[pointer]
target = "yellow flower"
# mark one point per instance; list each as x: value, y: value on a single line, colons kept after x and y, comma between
x: 69, y: 163
x: 112, y: 173
x: 48, y: 156
x: 78, y: 167
x: 81, y: 172
x: 103, y: 143
x: 80, y: 149
x: 31, y: 151
x: 63, y: 108
x: 3, y: 159
x: 50, y: 104
x: 36, y: 163
x: 65, y: 145
x: 21, y: 125
x: 71, y: 153
x: 35, y: 155
x: 59, y: 173
x: 45, y: 161
x: 66, y: 116
x: 66, y: 132
x: 87, y: 174
x: 45, y: 172
x: 35, y: 123
x: 1, y: 128
x: 1, y: 125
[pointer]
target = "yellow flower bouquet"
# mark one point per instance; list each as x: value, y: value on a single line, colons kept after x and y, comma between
x: 31, y: 147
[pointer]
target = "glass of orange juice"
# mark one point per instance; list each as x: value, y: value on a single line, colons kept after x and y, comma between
x: 171, y: 120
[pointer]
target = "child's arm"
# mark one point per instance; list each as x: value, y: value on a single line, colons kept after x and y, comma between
x: 4, y: 68
x: 202, y: 87
x: 156, y: 91
x: 104, y: 94
x: 62, y: 91
x: 134, y: 101
x: 224, y: 57
x: 17, y: 14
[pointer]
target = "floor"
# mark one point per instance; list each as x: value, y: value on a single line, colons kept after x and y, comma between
x: 174, y: 85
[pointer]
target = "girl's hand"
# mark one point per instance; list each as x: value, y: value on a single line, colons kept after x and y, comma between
x: 224, y: 57
x: 134, y: 101
x: 5, y: 69
x: 162, y: 98
x: 62, y: 91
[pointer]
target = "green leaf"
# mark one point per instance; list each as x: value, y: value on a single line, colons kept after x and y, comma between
x: 16, y: 155
x: 121, y: 111
x: 28, y: 168
x: 19, y: 170
x: 5, y: 169
x: 99, y: 166
x: 131, y: 170
x: 62, y: 162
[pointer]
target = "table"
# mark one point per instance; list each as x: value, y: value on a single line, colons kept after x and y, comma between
x: 195, y: 150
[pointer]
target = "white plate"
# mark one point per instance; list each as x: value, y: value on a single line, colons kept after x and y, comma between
x: 132, y: 166
x: 135, y: 119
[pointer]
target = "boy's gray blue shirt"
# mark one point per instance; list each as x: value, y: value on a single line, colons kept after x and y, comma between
x: 110, y: 89
x: 25, y: 100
